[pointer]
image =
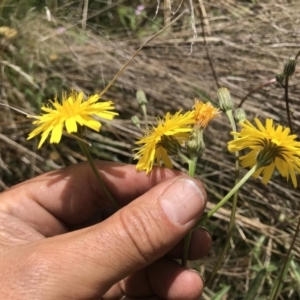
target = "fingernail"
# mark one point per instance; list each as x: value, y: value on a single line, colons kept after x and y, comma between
x: 182, y: 201
x: 200, y: 275
x: 204, y: 228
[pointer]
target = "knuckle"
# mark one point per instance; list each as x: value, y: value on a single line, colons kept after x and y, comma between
x: 144, y: 230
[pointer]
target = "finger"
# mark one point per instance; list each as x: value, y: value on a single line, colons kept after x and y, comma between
x: 165, y: 279
x: 89, y: 261
x: 200, y: 245
x: 170, y: 281
x: 72, y: 195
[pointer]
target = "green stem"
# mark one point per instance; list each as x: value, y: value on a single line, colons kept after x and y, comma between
x: 192, y: 166
x: 286, y: 262
x: 287, y: 102
x: 233, y: 210
x: 96, y: 172
x: 186, y: 248
x: 228, y: 196
x: 277, y: 290
x: 186, y: 242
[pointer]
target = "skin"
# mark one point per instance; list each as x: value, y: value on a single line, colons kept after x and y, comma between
x: 60, y: 237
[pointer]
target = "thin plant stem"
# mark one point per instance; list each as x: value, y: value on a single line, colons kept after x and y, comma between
x: 146, y: 119
x: 256, y: 89
x: 187, y: 239
x: 138, y: 51
x: 227, y: 197
x: 186, y: 248
x: 206, y: 47
x: 84, y: 14
x: 87, y: 154
x: 287, y: 102
x: 192, y: 166
x: 233, y: 210
x: 286, y: 96
x: 286, y: 260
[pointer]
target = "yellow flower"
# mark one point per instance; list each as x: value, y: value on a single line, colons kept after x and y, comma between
x: 177, y: 126
x: 204, y: 112
x: 71, y: 111
x: 270, y: 147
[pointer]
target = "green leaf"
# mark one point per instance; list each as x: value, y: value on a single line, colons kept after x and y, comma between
x: 278, y: 284
x: 256, y: 285
x: 221, y: 293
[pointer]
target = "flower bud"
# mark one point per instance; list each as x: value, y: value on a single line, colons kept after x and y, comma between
x: 136, y: 121
x: 289, y: 67
x: 195, y: 145
x: 280, y: 77
x: 142, y: 100
x: 225, y: 101
x: 240, y: 115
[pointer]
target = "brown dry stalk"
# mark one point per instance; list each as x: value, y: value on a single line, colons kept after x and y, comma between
x: 138, y: 51
x: 202, y: 14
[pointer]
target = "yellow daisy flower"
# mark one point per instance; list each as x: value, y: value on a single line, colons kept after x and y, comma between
x: 204, y: 112
x: 177, y: 126
x: 270, y: 147
x: 71, y: 111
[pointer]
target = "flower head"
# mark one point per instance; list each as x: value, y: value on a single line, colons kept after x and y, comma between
x: 270, y: 147
x: 71, y: 111
x: 225, y: 100
x: 178, y: 126
x: 204, y: 112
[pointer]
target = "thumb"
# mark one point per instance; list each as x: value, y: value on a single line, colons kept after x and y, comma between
x: 88, y: 262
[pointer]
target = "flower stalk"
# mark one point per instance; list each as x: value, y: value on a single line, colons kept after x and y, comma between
x: 204, y: 113
x: 217, y: 266
x: 187, y: 239
x: 227, y: 197
x: 87, y: 154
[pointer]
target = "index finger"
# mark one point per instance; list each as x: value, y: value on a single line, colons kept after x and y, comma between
x: 72, y: 195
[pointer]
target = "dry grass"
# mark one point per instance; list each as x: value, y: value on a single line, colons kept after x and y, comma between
x: 249, y: 44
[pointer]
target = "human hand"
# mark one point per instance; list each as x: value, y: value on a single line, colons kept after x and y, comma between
x: 52, y: 245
